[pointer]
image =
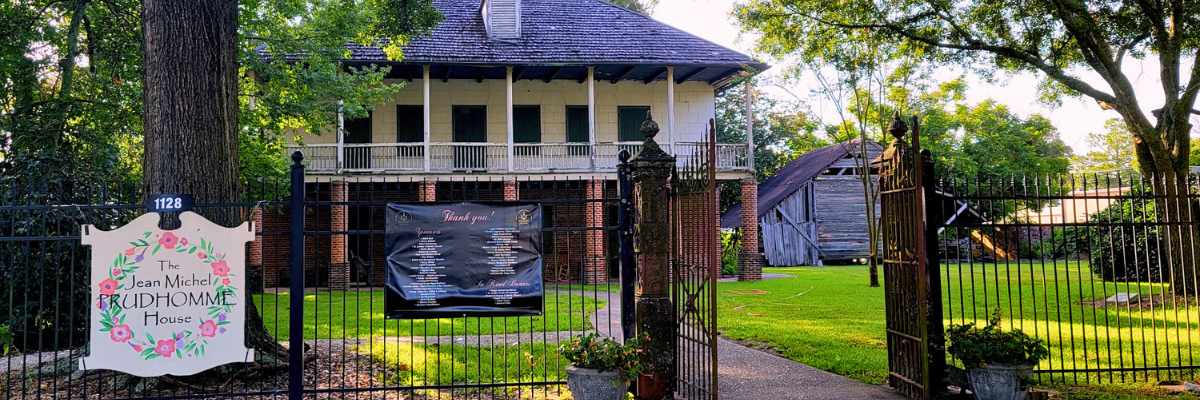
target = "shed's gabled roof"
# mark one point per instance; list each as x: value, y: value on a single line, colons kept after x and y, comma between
x: 569, y: 33
x: 789, y: 179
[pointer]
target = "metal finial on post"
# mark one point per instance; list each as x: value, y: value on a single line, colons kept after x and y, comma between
x: 898, y: 127
x: 649, y: 127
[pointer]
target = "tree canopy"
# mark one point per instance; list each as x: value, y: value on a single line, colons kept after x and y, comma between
x: 1111, y: 150
x: 71, y: 81
x: 1060, y: 40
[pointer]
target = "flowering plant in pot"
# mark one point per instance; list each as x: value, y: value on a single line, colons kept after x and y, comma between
x: 600, y: 367
x: 998, y: 362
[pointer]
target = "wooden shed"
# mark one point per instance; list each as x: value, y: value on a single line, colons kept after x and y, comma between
x: 813, y: 209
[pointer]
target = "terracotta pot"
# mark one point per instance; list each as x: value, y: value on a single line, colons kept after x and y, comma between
x: 651, y: 387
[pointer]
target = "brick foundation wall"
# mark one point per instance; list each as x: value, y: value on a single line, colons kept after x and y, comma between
x: 427, y: 191
x: 369, y: 247
x: 564, y: 250
x: 339, y: 266
x: 511, y: 190
x: 595, y: 266
x: 275, y: 246
x: 749, y: 260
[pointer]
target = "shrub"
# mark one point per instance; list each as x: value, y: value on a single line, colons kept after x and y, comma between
x: 731, y: 243
x: 593, y: 351
x: 1127, y: 252
x: 979, y: 347
x: 6, y: 340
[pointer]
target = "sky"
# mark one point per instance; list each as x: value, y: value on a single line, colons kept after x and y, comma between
x: 1074, y: 118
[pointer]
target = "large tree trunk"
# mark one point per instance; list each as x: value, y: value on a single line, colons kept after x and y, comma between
x: 1165, y: 163
x: 190, y: 118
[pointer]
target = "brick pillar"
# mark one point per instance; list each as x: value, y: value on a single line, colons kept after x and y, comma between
x: 428, y: 191
x: 511, y: 191
x: 595, y: 269
x: 339, y: 267
x: 749, y: 261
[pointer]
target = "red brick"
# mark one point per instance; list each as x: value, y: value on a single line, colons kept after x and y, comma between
x: 749, y: 260
x: 339, y: 267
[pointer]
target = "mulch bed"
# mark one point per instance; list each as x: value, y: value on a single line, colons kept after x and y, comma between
x: 329, y: 366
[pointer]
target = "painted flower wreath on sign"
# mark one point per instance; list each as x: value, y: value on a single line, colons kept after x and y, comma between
x: 185, y: 343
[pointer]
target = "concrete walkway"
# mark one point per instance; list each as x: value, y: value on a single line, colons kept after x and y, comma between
x: 749, y: 374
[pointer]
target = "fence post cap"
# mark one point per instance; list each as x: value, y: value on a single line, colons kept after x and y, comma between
x: 297, y: 156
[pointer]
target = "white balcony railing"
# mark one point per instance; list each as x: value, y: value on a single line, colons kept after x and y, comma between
x: 493, y: 157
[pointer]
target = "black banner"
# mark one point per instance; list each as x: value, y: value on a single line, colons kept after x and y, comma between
x: 456, y: 259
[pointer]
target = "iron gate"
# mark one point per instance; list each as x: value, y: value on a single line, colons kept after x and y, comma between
x: 695, y: 266
x: 911, y: 282
x: 315, y: 274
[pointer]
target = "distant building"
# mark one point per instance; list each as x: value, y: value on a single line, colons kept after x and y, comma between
x: 813, y: 210
x: 527, y: 100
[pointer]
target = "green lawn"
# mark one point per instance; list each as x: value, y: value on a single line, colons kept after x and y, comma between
x: 1070, y: 317
x: 416, y: 364
x: 340, y: 314
x: 827, y: 317
x: 824, y: 317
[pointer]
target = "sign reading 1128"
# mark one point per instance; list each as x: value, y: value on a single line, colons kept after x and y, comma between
x: 170, y: 203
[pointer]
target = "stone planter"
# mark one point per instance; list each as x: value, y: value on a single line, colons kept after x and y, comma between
x: 590, y: 384
x: 1000, y: 382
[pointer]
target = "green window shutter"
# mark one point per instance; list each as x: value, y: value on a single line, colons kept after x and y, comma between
x: 527, y: 124
x: 358, y: 130
x: 470, y: 124
x: 629, y: 123
x: 577, y: 124
x: 410, y: 124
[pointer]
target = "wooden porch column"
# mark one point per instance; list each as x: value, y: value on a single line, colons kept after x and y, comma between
x: 508, y: 87
x: 671, y: 110
x: 339, y: 266
x: 591, y: 99
x: 341, y: 134
x: 425, y: 105
x: 749, y: 110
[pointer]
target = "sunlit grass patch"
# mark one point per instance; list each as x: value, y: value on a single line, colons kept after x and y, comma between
x: 337, y: 314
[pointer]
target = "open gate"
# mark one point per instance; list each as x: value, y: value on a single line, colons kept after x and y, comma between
x: 916, y: 358
x: 695, y: 266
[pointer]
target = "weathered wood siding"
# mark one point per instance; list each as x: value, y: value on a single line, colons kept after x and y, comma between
x: 841, y: 217
x: 789, y: 233
x: 841, y: 213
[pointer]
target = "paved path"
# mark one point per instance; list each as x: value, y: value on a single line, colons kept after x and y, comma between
x: 749, y: 374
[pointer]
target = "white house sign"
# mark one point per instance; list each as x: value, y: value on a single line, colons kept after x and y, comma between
x: 167, y: 302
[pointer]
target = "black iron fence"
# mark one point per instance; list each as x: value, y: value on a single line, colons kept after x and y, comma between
x: 348, y: 348
x: 1100, y: 266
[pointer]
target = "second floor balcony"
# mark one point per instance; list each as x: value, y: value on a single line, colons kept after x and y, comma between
x: 473, y: 157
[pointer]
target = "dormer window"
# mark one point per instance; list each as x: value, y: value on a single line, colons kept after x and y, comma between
x: 502, y: 18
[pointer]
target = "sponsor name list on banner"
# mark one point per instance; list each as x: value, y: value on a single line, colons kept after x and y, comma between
x: 167, y: 302
x: 458, y: 259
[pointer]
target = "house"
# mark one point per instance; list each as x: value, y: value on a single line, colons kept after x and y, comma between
x: 813, y: 210
x: 535, y: 98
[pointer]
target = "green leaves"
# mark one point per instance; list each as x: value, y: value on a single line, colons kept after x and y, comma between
x: 593, y: 351
x: 989, y: 345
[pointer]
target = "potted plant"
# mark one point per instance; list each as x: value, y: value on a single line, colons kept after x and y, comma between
x: 998, y: 363
x: 600, y: 367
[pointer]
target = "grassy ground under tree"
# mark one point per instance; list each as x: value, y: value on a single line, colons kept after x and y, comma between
x: 337, y: 314
x: 829, y: 318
